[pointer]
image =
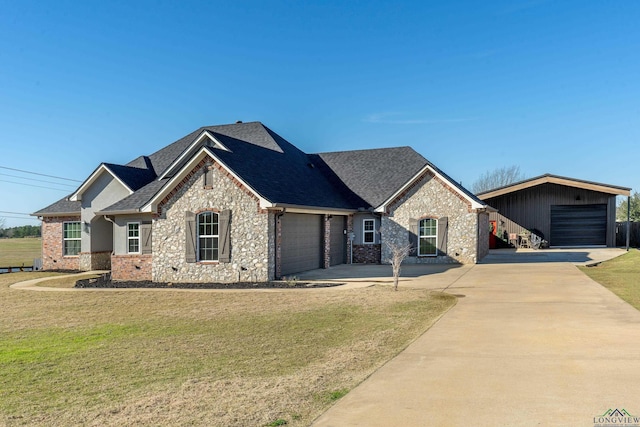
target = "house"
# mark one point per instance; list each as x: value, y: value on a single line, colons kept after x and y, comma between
x: 567, y: 211
x: 238, y: 202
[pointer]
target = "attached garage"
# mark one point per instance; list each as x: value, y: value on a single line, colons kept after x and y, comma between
x: 301, y: 243
x: 579, y: 225
x: 565, y: 211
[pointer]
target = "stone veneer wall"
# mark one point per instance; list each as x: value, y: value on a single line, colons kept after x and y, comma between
x: 251, y: 242
x: 483, y: 235
x: 131, y: 267
x: 94, y: 260
x: 431, y: 197
x: 52, y: 258
x: 367, y: 254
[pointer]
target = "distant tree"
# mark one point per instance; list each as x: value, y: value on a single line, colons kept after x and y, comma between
x: 621, y: 211
x: 1, y: 223
x: 497, y: 178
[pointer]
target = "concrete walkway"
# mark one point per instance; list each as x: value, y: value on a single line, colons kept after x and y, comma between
x: 529, y: 344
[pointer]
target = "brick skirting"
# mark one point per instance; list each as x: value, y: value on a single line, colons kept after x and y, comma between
x: 131, y: 267
x: 366, y: 254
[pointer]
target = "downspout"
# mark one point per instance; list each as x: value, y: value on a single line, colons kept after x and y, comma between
x: 628, y: 220
x: 113, y: 234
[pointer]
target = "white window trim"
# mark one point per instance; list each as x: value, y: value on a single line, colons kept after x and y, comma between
x: 65, y: 239
x: 365, y: 231
x: 426, y: 236
x: 199, y: 236
x: 138, y: 238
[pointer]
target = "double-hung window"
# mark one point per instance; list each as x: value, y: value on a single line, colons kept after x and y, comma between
x: 133, y: 237
x: 208, y: 236
x: 428, y: 237
x: 71, y: 238
x: 368, y: 231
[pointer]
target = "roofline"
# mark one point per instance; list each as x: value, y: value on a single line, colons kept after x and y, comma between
x: 149, y: 205
x: 123, y: 212
x: 77, y: 195
x: 428, y: 167
x: 291, y: 208
x: 55, y: 214
x: 555, y: 179
x: 205, y: 133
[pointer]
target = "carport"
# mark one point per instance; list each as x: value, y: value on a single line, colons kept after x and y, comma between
x: 568, y: 212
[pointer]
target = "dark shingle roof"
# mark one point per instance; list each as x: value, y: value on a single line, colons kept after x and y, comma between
x: 376, y: 174
x: 62, y: 206
x: 134, y: 178
x: 280, y: 172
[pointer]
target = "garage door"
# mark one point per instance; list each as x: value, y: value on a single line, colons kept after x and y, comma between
x: 301, y: 244
x: 338, y: 240
x: 578, y: 225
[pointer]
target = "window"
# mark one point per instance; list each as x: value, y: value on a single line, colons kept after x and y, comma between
x: 428, y: 237
x: 368, y: 231
x: 208, y: 236
x: 71, y: 238
x: 133, y: 237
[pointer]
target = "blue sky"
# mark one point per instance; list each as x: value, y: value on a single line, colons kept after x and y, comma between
x: 550, y: 86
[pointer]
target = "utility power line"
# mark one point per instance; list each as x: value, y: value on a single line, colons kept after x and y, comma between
x: 20, y: 217
x: 38, y: 186
x: 15, y: 213
x: 39, y: 180
x: 41, y: 174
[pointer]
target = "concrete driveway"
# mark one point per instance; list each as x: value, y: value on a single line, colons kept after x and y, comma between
x: 529, y: 344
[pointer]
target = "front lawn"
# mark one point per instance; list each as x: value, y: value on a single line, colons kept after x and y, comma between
x: 621, y: 275
x: 195, y: 358
x: 18, y: 252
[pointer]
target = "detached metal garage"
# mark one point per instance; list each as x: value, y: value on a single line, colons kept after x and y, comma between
x: 567, y: 211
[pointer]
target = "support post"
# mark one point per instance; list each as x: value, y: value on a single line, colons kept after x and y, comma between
x: 628, y: 220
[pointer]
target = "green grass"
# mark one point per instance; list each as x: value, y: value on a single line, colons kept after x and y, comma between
x: 17, y: 252
x: 195, y: 358
x: 621, y: 275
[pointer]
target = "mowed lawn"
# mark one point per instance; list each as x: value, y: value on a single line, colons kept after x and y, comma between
x: 621, y: 275
x: 165, y: 358
x: 18, y: 252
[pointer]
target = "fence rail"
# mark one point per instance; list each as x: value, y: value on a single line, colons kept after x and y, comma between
x: 634, y: 235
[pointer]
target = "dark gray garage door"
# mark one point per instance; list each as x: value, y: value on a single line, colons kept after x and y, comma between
x: 301, y: 243
x: 578, y: 225
x: 338, y: 240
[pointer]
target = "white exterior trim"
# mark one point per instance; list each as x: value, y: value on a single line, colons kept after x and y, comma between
x: 92, y: 178
x: 139, y: 238
x: 474, y: 204
x: 194, y: 144
x: 365, y: 231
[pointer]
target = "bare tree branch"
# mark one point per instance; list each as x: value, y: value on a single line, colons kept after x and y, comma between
x: 398, y: 254
x: 497, y: 178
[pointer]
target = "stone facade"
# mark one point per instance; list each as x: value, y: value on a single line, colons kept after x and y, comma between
x: 52, y: 258
x: 94, y: 260
x: 430, y: 197
x: 483, y: 235
x: 367, y: 254
x: 131, y: 267
x: 251, y: 231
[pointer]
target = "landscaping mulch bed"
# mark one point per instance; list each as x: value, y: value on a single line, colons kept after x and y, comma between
x: 106, y: 282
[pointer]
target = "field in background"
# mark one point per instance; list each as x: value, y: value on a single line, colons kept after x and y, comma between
x: 155, y: 358
x: 17, y: 252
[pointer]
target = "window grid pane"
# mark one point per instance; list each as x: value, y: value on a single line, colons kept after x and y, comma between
x: 428, y: 237
x: 208, y: 236
x: 71, y: 236
x: 133, y: 237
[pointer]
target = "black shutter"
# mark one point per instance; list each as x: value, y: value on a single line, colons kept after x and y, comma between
x: 145, y: 232
x: 191, y: 236
x: 443, y: 228
x: 413, y: 237
x: 224, y: 221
